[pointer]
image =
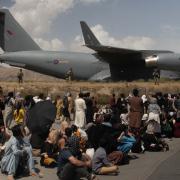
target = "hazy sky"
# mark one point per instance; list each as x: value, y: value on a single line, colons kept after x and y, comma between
x: 139, y: 24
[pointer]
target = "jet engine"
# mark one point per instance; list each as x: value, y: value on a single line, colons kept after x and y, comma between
x: 166, y: 61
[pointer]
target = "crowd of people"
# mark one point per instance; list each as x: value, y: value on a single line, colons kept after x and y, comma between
x: 84, y: 139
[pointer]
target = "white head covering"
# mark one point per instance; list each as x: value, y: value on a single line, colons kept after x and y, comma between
x: 48, y: 98
x: 18, y: 95
x: 35, y: 98
x: 145, y: 117
x: 171, y: 113
x: 144, y: 98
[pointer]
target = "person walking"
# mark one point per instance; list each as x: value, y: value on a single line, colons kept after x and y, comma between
x: 9, y: 109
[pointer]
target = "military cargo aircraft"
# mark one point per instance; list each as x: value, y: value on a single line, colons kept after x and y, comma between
x: 106, y: 63
x: 129, y: 64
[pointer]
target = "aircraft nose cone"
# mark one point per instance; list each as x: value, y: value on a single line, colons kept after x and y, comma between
x: 152, y: 61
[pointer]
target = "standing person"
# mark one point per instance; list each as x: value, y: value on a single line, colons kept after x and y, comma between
x: 135, y: 117
x: 9, y: 108
x: 20, y: 76
x: 65, y: 110
x: 136, y: 111
x: 71, y: 106
x: 176, y: 106
x: 2, y: 106
x: 94, y: 102
x: 59, y: 106
x: 89, y: 106
x: 80, y: 107
x: 121, y: 104
x: 28, y: 104
x: 69, y: 74
x: 112, y: 102
x: 1, y: 91
x: 156, y: 76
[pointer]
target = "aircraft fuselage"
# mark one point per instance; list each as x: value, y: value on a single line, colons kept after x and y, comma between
x: 54, y: 63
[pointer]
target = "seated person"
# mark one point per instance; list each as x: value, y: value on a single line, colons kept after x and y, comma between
x: 16, y: 150
x: 69, y: 167
x: 152, y: 143
x: 73, y: 143
x: 64, y: 125
x: 126, y: 141
x: 177, y: 129
x: 124, y: 117
x: 100, y: 163
x: 81, y: 134
x: 49, y: 150
x: 19, y: 113
x: 96, y: 132
x: 116, y: 157
x: 176, y: 125
x: 2, y: 135
x: 167, y: 128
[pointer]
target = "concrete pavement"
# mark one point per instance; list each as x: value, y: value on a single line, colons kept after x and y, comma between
x: 141, y: 168
x: 169, y: 169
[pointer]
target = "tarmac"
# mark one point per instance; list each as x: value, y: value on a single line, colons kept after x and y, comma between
x: 147, y: 166
x: 169, y: 169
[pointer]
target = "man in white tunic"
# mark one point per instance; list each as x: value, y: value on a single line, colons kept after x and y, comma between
x: 80, y: 107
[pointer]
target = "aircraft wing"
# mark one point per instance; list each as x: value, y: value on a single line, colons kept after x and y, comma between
x: 111, y: 49
x: 92, y: 42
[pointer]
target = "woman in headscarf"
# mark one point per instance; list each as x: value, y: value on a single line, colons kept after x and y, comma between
x: 9, y: 107
x: 49, y: 150
x: 59, y: 107
x: 19, y: 113
x: 154, y: 111
x: 17, y: 150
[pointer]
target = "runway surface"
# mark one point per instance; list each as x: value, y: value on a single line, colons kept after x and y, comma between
x: 168, y: 170
x: 148, y: 166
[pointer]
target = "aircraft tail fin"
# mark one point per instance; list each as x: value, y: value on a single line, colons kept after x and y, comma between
x: 89, y: 38
x: 12, y: 36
